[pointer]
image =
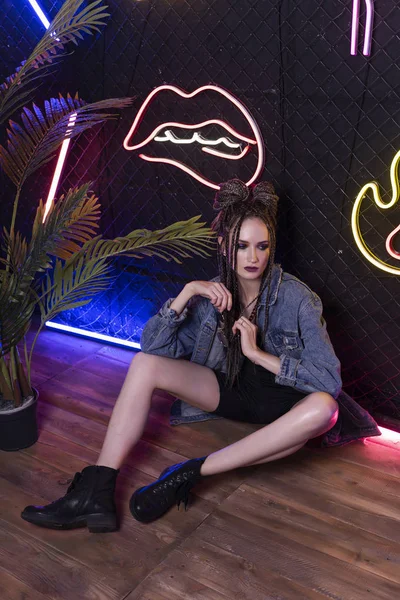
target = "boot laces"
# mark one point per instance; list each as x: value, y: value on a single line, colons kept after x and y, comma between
x: 74, y: 482
x: 182, y: 484
x: 182, y: 493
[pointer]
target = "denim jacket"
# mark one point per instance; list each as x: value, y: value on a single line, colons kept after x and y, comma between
x: 296, y: 334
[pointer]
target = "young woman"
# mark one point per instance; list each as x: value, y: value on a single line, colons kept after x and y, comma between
x: 259, y: 353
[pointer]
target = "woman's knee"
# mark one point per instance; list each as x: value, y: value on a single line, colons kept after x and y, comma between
x: 326, y: 408
x: 159, y: 370
x: 145, y: 364
x: 142, y: 359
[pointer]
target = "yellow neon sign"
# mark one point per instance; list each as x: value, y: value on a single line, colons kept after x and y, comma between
x: 355, y: 218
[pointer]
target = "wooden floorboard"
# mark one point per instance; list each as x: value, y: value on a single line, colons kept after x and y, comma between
x: 371, y: 454
x: 321, y: 524
x: 297, y: 522
x: 48, y: 571
x: 12, y: 588
x: 371, y: 510
x: 237, y: 557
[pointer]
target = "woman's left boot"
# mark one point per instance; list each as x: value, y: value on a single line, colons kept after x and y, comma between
x: 173, y: 486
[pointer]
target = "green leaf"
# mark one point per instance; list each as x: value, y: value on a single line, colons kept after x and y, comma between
x: 16, y: 246
x: 76, y: 212
x: 72, y: 285
x: 179, y: 240
x: 68, y: 25
x: 35, y: 142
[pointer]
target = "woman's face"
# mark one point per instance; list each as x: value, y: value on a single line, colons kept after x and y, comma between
x: 253, y: 249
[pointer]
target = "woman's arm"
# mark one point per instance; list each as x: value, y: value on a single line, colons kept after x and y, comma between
x: 182, y: 299
x: 248, y: 342
x: 173, y: 330
x: 318, y: 369
x: 268, y: 361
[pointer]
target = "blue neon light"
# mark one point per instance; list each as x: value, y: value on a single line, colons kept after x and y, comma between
x: 40, y: 13
x: 93, y: 334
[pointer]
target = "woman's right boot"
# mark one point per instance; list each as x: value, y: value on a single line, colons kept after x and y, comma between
x: 89, y: 502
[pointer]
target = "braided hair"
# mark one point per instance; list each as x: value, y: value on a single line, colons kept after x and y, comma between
x: 235, y: 202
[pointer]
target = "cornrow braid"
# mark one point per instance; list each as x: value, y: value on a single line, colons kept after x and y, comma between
x: 236, y: 202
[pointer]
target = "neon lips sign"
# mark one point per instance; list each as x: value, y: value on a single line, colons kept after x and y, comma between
x: 355, y: 219
x: 164, y: 133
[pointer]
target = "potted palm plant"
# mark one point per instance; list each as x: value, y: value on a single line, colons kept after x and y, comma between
x: 64, y: 262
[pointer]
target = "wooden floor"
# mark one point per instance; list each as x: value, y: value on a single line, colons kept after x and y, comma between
x: 319, y: 524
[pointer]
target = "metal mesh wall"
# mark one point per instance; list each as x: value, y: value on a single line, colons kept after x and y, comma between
x: 330, y: 122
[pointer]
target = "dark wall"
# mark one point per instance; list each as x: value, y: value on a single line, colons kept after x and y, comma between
x: 330, y: 123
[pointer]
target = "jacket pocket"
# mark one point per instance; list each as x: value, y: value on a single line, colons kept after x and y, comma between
x: 204, y: 342
x: 285, y: 342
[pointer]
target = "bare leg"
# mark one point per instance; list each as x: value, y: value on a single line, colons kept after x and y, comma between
x: 193, y: 383
x: 90, y: 498
x: 312, y: 416
x: 279, y: 455
x: 198, y: 386
x: 289, y: 450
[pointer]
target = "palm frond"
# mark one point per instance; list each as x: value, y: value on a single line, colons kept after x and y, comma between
x: 74, y: 217
x: 68, y: 26
x: 72, y: 285
x: 87, y: 272
x: 71, y: 223
x: 175, y: 242
x: 33, y: 143
x: 65, y: 217
x: 12, y: 98
x: 16, y: 312
x: 17, y: 248
x: 80, y: 229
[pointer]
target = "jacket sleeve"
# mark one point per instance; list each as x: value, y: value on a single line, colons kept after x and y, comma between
x: 318, y: 369
x: 171, y: 335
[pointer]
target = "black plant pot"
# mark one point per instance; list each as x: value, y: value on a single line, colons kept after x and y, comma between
x: 18, y: 426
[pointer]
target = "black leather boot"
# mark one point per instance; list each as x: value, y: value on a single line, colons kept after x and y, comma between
x: 89, y: 502
x: 173, y: 486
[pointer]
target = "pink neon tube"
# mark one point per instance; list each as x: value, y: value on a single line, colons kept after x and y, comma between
x: 368, y: 27
x: 354, y: 27
x: 369, y: 6
x: 187, y: 170
x: 389, y: 244
x: 60, y: 165
x: 227, y: 156
x: 258, y: 141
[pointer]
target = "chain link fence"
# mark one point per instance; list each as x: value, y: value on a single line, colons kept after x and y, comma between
x: 330, y: 123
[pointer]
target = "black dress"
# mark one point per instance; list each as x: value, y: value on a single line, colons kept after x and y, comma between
x: 255, y: 397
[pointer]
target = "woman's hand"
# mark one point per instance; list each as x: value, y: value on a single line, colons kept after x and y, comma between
x: 217, y: 293
x: 248, y: 337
